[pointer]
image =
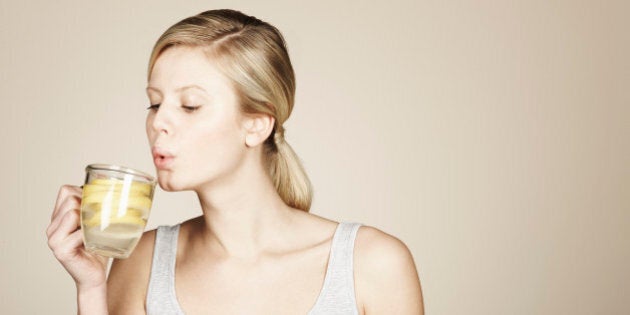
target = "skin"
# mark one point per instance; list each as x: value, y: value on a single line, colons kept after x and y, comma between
x: 249, y: 253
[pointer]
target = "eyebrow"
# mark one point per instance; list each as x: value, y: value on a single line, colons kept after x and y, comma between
x: 180, y: 89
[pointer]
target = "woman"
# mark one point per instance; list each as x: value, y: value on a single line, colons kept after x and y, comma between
x: 221, y: 85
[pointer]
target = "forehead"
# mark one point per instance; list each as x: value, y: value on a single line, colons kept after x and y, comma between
x: 183, y: 66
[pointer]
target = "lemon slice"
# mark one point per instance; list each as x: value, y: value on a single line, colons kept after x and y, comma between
x: 96, y: 220
x: 95, y: 210
x: 138, y: 201
x: 116, y: 185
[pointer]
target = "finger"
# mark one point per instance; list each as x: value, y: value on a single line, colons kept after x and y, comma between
x: 64, y: 192
x: 69, y: 247
x: 72, y: 242
x: 69, y: 223
x: 69, y: 204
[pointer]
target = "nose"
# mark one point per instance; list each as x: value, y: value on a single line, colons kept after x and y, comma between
x: 162, y: 122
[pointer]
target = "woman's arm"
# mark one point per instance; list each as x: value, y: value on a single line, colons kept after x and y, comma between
x: 386, y: 275
x: 92, y: 300
x: 65, y: 239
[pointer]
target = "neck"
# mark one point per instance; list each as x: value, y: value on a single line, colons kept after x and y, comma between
x: 243, y: 216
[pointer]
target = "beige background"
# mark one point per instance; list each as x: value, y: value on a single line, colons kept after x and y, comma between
x: 491, y: 137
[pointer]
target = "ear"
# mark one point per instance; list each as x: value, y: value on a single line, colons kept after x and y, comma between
x: 257, y: 128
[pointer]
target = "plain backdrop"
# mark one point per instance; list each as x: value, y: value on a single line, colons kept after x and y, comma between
x: 489, y: 136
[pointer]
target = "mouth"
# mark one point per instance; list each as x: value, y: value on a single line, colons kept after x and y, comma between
x: 162, y: 158
x: 163, y: 162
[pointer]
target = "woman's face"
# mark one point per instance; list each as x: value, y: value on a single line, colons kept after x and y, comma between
x: 207, y: 142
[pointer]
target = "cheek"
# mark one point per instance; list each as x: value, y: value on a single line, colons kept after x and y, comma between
x: 148, y: 130
x: 214, y: 150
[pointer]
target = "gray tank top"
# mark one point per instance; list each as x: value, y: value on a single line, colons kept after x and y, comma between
x: 337, y: 296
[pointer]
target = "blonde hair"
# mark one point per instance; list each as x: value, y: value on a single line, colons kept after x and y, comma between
x: 253, y: 55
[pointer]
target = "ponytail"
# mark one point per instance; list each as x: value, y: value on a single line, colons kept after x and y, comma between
x: 289, y: 176
x: 290, y: 179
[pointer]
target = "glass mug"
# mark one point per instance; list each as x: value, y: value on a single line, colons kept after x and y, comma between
x: 115, y: 208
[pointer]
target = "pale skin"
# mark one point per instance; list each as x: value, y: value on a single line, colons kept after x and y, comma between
x: 249, y: 253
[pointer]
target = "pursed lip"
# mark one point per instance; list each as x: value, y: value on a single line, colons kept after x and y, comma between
x: 161, y: 153
x: 162, y: 158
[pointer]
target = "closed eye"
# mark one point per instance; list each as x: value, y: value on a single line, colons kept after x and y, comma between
x: 189, y: 109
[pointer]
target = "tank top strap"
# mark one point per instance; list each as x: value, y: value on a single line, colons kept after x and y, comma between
x: 161, y: 297
x: 341, y: 255
x: 338, y: 295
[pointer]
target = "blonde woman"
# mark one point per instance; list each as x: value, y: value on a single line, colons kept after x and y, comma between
x: 221, y: 85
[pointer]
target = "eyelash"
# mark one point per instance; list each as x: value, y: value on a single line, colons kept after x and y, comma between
x: 189, y: 109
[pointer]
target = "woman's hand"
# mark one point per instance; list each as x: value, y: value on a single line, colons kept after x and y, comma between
x: 65, y: 239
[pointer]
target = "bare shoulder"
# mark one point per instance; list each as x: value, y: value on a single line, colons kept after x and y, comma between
x: 128, y: 279
x: 386, y: 277
x: 379, y: 254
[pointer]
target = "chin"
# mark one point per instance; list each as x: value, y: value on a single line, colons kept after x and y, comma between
x: 166, y: 188
x: 169, y: 185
